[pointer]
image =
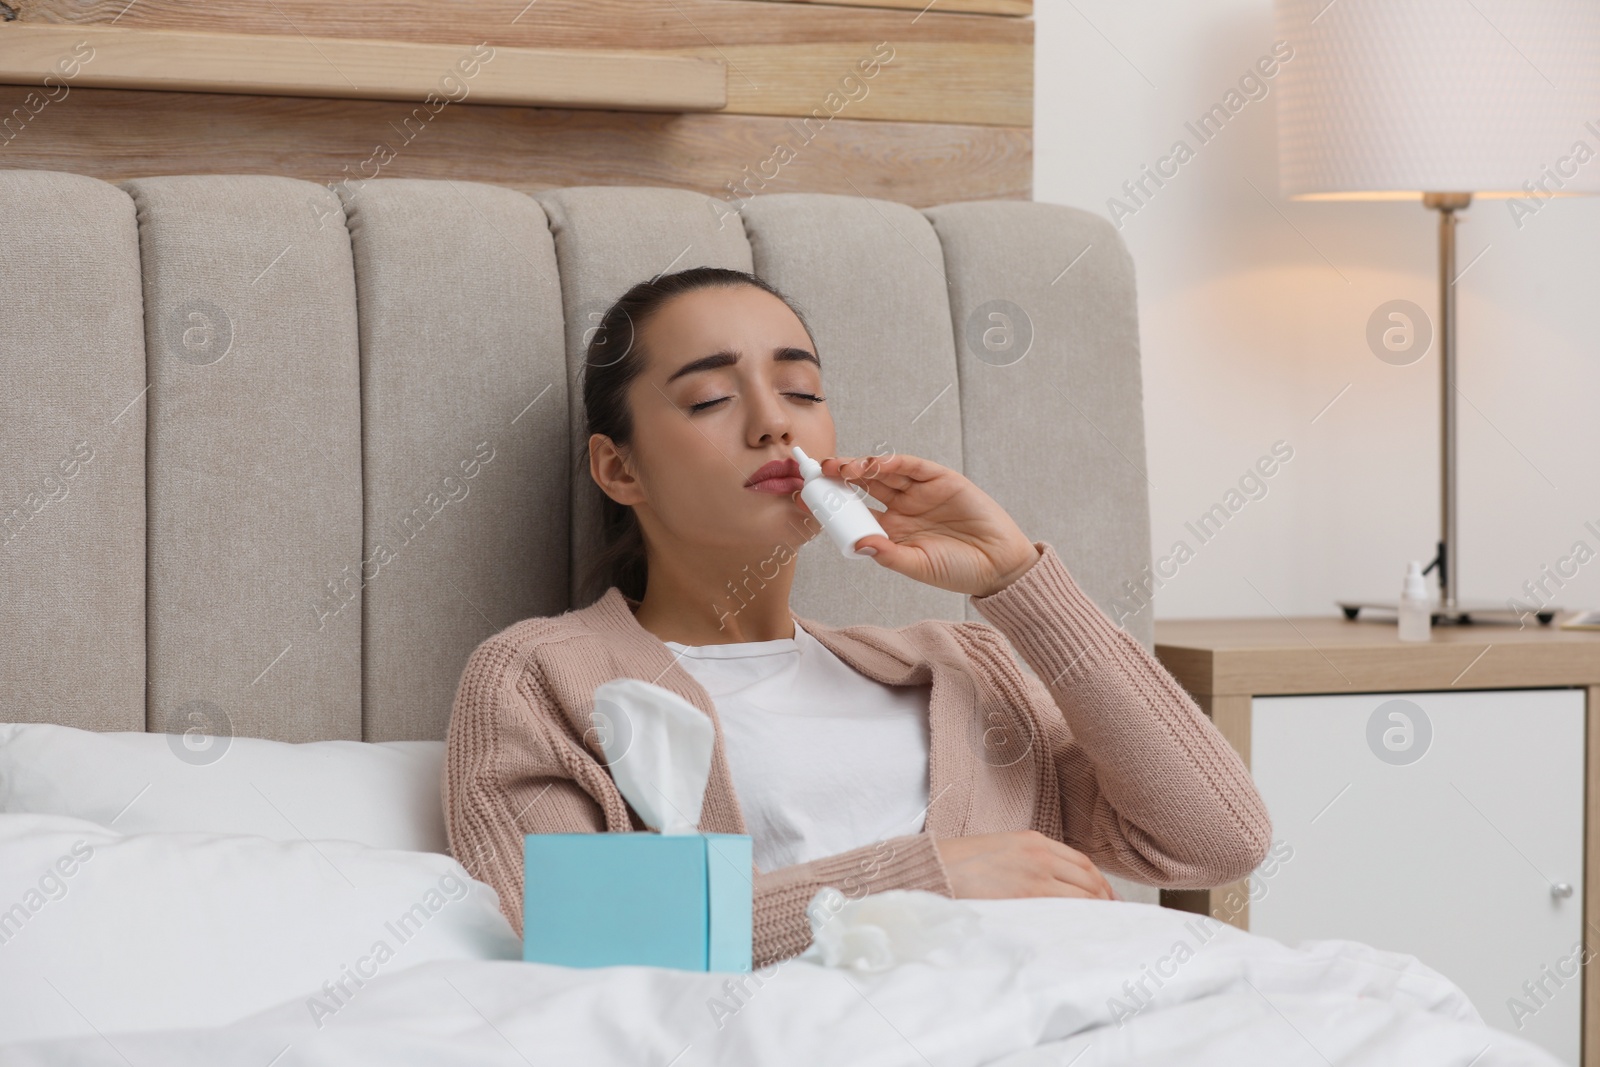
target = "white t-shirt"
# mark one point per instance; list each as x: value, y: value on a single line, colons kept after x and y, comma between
x: 823, y: 758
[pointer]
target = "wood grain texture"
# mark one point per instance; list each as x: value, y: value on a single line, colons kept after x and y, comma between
x: 550, y: 23
x: 115, y: 134
x: 278, y: 65
x: 987, y: 84
x: 980, y: 7
x: 782, y: 58
x: 1330, y: 655
x: 921, y: 106
x: 1230, y: 714
x: 914, y: 80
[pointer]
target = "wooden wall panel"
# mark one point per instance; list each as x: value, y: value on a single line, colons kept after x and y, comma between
x: 981, y: 7
x: 115, y: 134
x: 924, y: 81
x: 948, y: 118
x: 782, y: 58
x: 552, y: 23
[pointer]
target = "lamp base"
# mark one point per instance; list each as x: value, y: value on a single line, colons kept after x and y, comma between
x: 1465, y: 614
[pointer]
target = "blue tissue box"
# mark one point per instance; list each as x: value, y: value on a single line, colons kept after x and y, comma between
x: 603, y: 899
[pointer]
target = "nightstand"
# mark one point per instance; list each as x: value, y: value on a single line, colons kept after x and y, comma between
x: 1437, y: 799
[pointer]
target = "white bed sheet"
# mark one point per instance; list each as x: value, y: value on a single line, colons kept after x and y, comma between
x: 102, y: 931
x: 1044, y: 983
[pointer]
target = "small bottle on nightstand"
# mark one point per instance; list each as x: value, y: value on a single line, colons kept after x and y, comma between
x: 1416, y: 606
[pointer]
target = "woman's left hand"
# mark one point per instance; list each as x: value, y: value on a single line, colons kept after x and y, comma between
x: 943, y: 530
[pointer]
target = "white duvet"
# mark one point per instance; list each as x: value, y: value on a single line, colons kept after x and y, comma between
x: 1043, y: 981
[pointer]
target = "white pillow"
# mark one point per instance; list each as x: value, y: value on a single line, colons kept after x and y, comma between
x: 104, y: 932
x: 385, y: 795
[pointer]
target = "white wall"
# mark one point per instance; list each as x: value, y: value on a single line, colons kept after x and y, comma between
x: 1253, y: 314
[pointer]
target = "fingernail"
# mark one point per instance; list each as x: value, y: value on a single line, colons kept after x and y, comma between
x: 867, y: 550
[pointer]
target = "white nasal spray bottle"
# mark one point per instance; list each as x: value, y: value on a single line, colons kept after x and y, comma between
x: 836, y: 506
x: 1416, y: 608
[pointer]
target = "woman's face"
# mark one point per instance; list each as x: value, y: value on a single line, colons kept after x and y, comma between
x: 728, y: 385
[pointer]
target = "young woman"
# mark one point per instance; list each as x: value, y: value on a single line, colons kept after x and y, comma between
x: 861, y: 757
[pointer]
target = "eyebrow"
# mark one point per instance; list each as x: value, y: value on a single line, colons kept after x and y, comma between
x: 727, y: 358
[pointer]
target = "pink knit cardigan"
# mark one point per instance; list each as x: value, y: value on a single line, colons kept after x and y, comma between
x: 1099, y: 747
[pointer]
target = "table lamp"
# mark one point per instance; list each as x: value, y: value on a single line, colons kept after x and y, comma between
x: 1441, y: 101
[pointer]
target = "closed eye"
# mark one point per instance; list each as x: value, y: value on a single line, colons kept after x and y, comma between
x: 709, y: 403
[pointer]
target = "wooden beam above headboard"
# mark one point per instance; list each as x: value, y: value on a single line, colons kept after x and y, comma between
x: 120, y: 57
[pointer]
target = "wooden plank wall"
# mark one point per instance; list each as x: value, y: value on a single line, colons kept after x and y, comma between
x: 945, y: 116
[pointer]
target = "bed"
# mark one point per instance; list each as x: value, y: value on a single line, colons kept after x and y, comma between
x: 279, y: 455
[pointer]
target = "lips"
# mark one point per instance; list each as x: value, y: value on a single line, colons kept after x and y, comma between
x: 776, y: 476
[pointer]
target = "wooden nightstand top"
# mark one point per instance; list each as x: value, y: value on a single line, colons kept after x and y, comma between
x: 1327, y: 654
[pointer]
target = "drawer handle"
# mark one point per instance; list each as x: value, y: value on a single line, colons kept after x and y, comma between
x: 1561, y: 890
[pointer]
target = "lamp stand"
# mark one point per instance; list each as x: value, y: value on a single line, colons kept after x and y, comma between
x: 1447, y: 558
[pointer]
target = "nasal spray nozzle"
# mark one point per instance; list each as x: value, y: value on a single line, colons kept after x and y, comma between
x: 843, y: 515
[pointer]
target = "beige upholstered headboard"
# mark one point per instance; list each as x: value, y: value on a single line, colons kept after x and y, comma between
x: 274, y: 458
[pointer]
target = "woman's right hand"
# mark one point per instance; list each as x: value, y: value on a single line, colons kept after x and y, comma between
x: 1021, y: 863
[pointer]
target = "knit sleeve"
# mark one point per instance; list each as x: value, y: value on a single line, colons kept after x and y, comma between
x: 782, y: 928
x: 504, y: 776
x: 508, y: 773
x: 1150, y: 789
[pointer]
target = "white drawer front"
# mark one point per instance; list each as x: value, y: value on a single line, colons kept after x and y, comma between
x: 1441, y: 835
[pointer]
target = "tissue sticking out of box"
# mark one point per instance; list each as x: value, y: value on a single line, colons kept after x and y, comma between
x: 658, y: 747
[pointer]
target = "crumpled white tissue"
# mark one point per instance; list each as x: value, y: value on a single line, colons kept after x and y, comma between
x: 658, y: 746
x: 881, y: 930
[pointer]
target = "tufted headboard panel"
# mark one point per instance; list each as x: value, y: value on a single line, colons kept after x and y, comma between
x: 274, y: 458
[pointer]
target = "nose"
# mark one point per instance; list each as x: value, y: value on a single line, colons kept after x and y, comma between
x: 770, y: 423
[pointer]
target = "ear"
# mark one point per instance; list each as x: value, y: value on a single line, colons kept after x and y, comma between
x: 609, y: 469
